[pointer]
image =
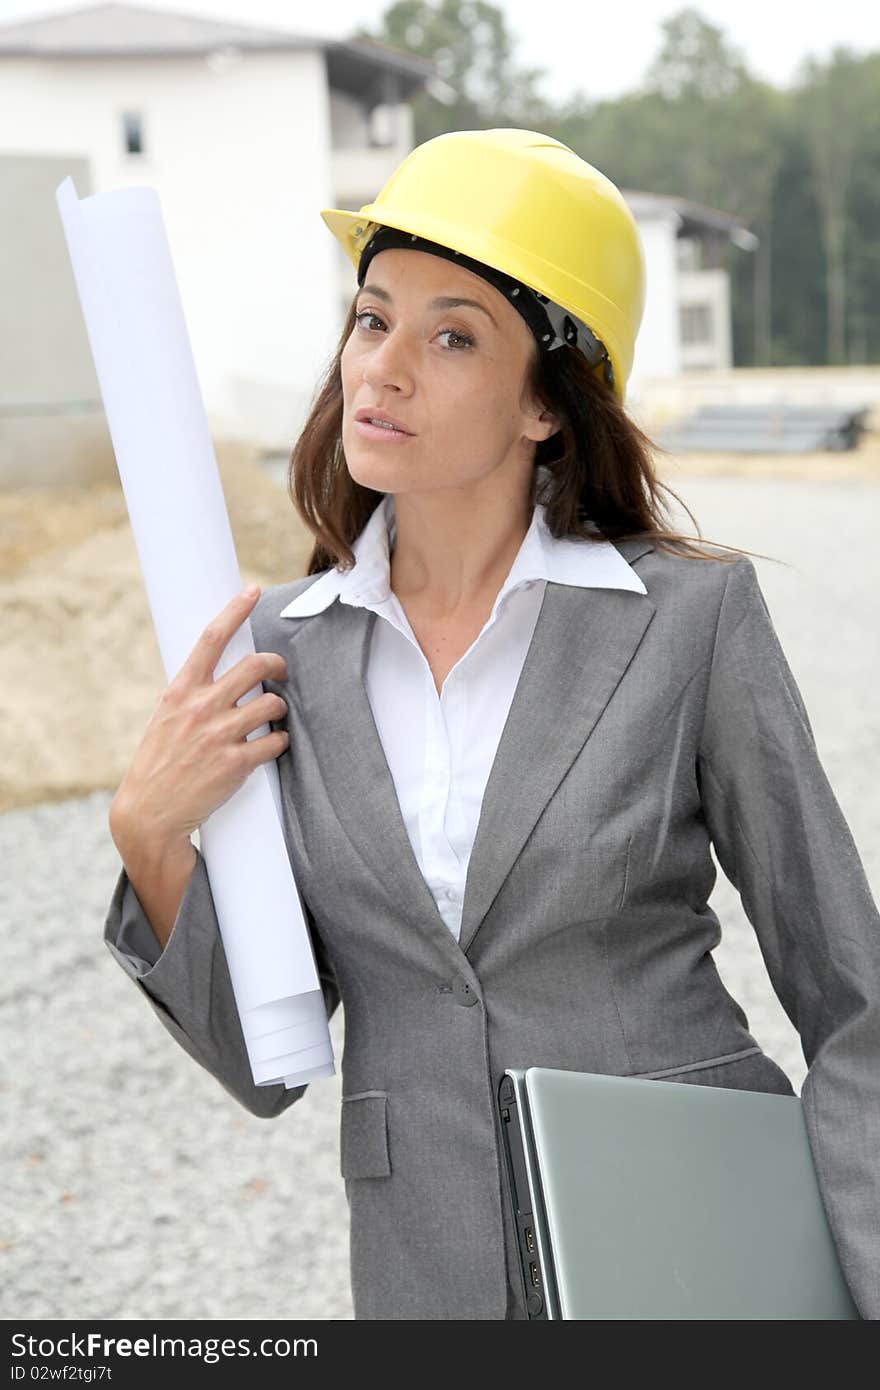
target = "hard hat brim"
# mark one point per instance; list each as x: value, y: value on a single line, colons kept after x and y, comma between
x: 351, y: 229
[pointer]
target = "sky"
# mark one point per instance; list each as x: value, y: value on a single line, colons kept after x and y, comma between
x: 601, y: 51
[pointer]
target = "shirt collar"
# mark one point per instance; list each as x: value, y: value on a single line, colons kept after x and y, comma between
x: 585, y: 564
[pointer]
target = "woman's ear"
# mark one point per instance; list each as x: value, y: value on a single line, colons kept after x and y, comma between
x: 543, y: 425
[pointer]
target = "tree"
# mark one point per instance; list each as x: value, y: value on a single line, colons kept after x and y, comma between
x: 828, y: 104
x: 473, y: 54
x: 863, y: 215
x: 695, y: 60
x: 799, y: 318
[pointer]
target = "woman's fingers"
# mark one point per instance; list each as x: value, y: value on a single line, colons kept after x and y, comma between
x: 195, y: 752
x: 199, y: 665
x: 253, y: 713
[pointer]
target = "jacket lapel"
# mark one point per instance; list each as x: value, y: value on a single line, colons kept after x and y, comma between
x: 327, y: 667
x: 583, y: 642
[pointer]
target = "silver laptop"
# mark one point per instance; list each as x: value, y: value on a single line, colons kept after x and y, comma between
x: 644, y: 1199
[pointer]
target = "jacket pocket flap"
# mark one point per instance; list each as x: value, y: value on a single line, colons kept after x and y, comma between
x: 363, y: 1136
x: 721, y: 1061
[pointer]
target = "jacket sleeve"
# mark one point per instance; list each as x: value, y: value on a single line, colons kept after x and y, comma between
x: 189, y: 988
x: 782, y: 840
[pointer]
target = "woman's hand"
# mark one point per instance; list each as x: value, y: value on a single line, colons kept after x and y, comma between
x: 195, y: 753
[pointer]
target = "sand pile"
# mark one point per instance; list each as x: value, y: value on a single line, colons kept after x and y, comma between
x: 81, y: 665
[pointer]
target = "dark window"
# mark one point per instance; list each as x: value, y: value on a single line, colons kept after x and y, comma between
x: 134, y: 135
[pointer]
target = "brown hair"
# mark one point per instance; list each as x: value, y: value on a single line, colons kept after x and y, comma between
x: 600, y: 466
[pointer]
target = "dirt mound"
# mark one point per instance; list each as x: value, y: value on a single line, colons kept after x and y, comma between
x: 81, y: 663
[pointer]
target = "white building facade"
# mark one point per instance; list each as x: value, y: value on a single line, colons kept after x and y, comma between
x: 245, y: 134
x: 687, y: 323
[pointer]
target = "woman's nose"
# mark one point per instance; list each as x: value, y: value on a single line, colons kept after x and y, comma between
x: 386, y: 364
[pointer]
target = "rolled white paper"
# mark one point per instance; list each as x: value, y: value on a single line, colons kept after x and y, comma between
x: 134, y: 318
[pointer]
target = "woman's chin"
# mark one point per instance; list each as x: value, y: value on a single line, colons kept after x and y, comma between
x: 377, y: 473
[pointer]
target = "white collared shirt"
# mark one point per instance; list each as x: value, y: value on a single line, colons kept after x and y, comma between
x: 440, y: 748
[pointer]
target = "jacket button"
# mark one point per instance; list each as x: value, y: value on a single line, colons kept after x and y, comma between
x: 463, y: 993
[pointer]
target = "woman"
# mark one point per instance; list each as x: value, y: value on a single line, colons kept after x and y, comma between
x: 512, y: 714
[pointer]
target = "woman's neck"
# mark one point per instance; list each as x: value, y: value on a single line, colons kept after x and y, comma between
x: 448, y: 557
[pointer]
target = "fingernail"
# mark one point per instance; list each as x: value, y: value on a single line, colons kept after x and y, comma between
x: 251, y: 591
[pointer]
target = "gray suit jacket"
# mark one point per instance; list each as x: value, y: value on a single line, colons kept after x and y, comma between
x: 644, y: 728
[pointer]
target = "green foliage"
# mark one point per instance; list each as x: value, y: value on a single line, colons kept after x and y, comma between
x: 801, y: 168
x: 695, y: 60
x: 473, y: 57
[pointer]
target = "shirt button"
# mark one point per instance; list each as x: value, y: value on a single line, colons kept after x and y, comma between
x: 464, y: 995
x: 450, y: 894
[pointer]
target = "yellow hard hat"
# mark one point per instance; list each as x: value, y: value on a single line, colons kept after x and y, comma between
x: 528, y: 206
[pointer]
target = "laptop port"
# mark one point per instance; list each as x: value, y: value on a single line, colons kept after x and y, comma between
x: 530, y: 1239
x: 533, y: 1271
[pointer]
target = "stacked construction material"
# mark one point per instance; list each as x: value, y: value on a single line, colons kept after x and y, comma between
x: 774, y: 428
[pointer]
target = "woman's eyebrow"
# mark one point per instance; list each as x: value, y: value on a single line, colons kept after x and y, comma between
x: 442, y: 302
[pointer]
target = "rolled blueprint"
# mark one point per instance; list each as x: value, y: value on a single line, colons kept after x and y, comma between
x: 134, y: 318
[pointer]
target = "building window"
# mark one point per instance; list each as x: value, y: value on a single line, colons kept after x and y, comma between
x: 133, y: 132
x: 696, y: 324
x: 382, y: 126
x: 688, y: 253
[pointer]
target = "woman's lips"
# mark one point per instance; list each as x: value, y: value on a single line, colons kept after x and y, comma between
x: 381, y: 432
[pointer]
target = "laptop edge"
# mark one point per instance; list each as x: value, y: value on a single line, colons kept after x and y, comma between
x: 536, y: 1261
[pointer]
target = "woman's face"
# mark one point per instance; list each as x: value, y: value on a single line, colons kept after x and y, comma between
x: 452, y: 375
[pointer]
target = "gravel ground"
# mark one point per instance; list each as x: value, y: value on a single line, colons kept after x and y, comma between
x: 135, y: 1186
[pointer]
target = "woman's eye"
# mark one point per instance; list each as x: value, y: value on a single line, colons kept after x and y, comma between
x: 463, y: 340
x: 366, y: 314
